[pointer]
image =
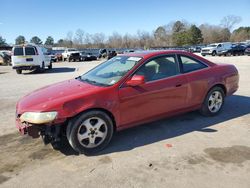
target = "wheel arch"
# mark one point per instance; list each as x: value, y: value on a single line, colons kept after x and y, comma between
x: 215, y: 85
x: 110, y: 114
x: 221, y: 86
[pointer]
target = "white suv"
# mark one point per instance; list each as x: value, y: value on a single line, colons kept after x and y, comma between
x: 30, y: 57
x: 216, y: 48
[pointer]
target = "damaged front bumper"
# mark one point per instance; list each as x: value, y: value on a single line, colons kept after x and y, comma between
x: 53, y: 131
x: 26, y: 128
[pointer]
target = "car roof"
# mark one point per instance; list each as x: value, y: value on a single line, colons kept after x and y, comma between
x: 151, y: 53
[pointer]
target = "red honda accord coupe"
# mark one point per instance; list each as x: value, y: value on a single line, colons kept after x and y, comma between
x: 125, y: 91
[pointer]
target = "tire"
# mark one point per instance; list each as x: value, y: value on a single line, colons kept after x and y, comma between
x: 50, y: 66
x: 212, y: 105
x: 86, y: 126
x: 18, y: 71
x: 42, y: 69
x: 214, y: 53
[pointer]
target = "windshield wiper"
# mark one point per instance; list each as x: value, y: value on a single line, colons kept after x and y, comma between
x: 92, y: 82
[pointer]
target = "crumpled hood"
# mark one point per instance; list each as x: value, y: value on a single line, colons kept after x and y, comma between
x: 50, y: 97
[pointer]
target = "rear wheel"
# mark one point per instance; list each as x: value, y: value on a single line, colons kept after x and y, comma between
x: 18, y: 71
x: 213, y: 102
x: 50, y: 66
x: 90, y: 132
x: 42, y: 69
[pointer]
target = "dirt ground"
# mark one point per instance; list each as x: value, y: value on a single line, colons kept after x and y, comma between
x: 184, y: 151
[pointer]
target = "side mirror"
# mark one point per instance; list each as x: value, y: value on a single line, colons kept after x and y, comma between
x: 136, y: 80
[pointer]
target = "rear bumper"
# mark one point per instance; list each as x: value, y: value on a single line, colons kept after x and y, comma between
x: 26, y: 67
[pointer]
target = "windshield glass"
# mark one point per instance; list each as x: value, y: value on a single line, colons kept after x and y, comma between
x: 111, y: 71
x: 212, y: 45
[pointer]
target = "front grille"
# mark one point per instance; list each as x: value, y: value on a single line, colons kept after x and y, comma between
x: 205, y: 50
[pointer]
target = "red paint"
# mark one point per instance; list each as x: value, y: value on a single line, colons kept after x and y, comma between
x: 169, y: 145
x: 131, y: 106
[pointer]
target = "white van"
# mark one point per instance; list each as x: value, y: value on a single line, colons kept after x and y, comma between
x: 216, y: 48
x: 30, y: 57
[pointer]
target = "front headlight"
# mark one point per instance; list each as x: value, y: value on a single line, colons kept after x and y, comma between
x: 38, y: 117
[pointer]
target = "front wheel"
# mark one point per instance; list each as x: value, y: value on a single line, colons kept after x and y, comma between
x: 214, y: 53
x: 90, y: 132
x: 213, y: 102
x: 18, y: 71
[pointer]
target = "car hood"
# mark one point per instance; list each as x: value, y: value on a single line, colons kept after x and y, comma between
x: 53, y: 96
x: 208, y: 48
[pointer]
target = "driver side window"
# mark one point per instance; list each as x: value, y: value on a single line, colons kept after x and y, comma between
x: 159, y: 68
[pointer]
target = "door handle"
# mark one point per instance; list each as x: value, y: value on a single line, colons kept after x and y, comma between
x: 178, y: 85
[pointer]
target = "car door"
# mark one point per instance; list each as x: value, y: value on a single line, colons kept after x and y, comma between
x: 220, y: 48
x: 198, y: 76
x: 164, y: 91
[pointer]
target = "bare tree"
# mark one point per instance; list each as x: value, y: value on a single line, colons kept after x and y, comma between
x: 69, y: 35
x: 79, y: 37
x: 145, y: 40
x: 87, y: 40
x: 230, y: 21
x: 98, y: 40
x: 115, y: 40
x: 127, y: 41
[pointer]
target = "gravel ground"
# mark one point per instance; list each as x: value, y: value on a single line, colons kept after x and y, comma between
x: 184, y: 151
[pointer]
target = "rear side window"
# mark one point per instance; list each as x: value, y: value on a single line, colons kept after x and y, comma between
x: 18, y: 51
x: 29, y: 51
x: 189, y: 64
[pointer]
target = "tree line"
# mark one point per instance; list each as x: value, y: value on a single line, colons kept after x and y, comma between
x: 178, y: 33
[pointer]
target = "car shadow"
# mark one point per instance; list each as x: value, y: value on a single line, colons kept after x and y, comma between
x: 235, y: 106
x: 53, y: 70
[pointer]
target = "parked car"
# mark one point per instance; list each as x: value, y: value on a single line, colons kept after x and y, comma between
x: 234, y: 50
x: 129, y: 51
x: 123, y: 92
x: 67, y: 52
x: 57, y: 55
x: 53, y: 57
x: 194, y: 49
x: 87, y: 56
x: 112, y: 54
x: 102, y: 53
x: 30, y: 57
x: 214, y: 49
x: 247, y: 50
x: 5, y: 58
x: 74, y: 57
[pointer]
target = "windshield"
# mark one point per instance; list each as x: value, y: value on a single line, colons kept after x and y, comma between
x: 111, y: 71
x: 212, y: 45
x: 71, y: 50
